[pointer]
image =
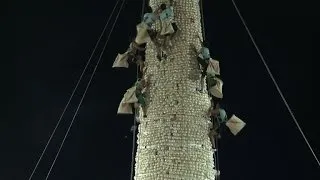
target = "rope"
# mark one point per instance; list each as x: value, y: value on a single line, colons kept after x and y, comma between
x: 136, y: 112
x: 85, y: 92
x: 74, y: 90
x: 133, y: 146
x: 217, y: 158
x: 202, y: 21
x: 143, y: 7
x: 134, y: 135
x: 215, y: 154
x: 275, y: 83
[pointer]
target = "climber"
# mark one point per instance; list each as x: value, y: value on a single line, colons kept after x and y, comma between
x: 204, y: 56
x: 145, y: 27
x: 140, y: 56
x: 167, y: 20
x: 145, y: 33
x: 209, y: 67
x: 140, y: 85
x: 168, y: 26
x: 214, y: 129
x: 218, y: 116
x: 139, y: 60
x: 150, y: 18
x: 203, y: 60
x: 214, y: 108
x: 136, y: 53
x: 162, y: 40
x: 215, y: 102
x: 211, y: 81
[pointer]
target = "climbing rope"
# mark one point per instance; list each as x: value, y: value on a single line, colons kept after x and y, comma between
x: 217, y: 159
x: 72, y: 94
x: 202, y: 21
x: 215, y: 153
x: 135, y: 112
x: 85, y: 92
x: 143, y: 7
x: 275, y: 83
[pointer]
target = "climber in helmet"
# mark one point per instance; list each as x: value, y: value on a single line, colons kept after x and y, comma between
x: 145, y: 33
x: 168, y: 26
x: 134, y: 54
x: 149, y: 19
x: 162, y: 39
x: 204, y: 56
x: 218, y: 116
x: 209, y: 67
x: 140, y: 85
x: 214, y: 129
x: 203, y: 60
x: 217, y: 113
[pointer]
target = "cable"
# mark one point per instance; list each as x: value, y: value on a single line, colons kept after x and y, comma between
x: 134, y: 134
x: 74, y: 90
x: 215, y: 154
x: 143, y: 7
x: 202, y: 21
x: 136, y: 113
x: 95, y: 68
x: 133, y: 145
x: 275, y: 83
x: 217, y: 158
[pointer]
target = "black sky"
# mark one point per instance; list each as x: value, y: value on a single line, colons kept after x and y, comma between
x: 49, y: 42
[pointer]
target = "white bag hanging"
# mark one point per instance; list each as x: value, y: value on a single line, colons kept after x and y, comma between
x: 216, y: 90
x: 121, y: 61
x: 142, y: 34
x: 235, y: 124
x: 130, y: 95
x: 213, y: 67
x: 124, y: 108
x: 166, y: 27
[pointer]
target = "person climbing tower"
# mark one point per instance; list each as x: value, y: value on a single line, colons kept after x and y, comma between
x: 218, y: 116
x: 209, y: 69
x: 135, y: 54
x: 203, y: 60
x: 140, y: 85
x: 134, y: 98
x: 145, y: 33
x: 168, y: 25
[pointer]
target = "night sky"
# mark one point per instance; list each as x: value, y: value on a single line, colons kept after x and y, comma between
x: 49, y: 43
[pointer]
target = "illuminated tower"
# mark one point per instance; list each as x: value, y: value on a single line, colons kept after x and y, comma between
x: 173, y: 141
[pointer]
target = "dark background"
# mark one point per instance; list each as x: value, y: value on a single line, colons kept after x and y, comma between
x: 47, y: 43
